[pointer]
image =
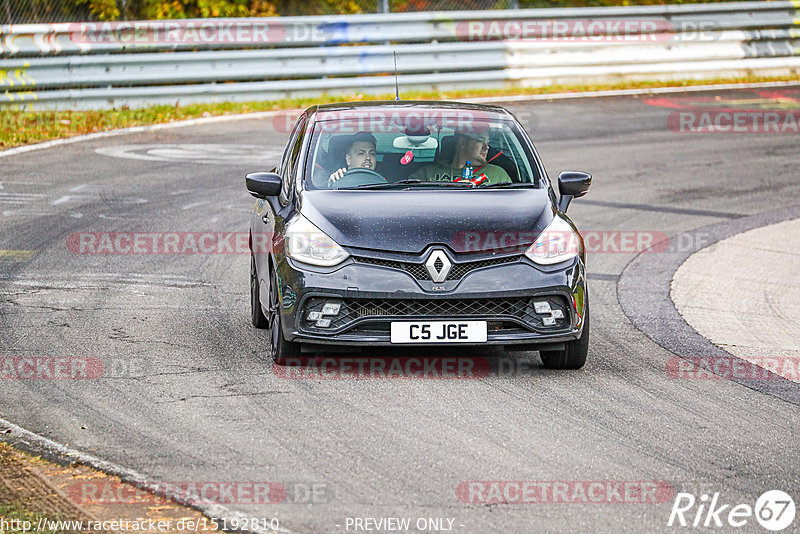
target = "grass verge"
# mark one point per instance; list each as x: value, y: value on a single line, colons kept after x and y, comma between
x: 15, y: 518
x: 40, y: 496
x: 26, y: 127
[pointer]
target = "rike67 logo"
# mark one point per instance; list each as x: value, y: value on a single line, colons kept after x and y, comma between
x: 774, y: 510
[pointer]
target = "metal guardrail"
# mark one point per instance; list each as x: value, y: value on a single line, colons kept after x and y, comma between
x: 103, y: 65
x: 109, y: 37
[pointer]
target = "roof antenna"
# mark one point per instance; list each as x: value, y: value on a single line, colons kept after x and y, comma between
x: 396, y: 85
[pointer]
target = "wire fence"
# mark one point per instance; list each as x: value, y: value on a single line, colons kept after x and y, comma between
x: 48, y: 11
x: 36, y: 11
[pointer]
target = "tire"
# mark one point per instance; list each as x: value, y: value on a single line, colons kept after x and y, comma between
x: 574, y: 355
x: 257, y: 316
x: 279, y: 347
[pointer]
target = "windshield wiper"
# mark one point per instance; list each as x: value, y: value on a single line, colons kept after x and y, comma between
x: 404, y: 182
x: 509, y: 185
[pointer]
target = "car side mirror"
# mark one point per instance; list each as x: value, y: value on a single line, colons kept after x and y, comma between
x: 572, y: 184
x: 263, y: 184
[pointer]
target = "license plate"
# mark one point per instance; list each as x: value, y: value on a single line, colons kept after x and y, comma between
x: 439, y: 332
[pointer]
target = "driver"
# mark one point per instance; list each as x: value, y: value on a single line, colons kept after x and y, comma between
x: 360, y: 154
x: 472, y: 146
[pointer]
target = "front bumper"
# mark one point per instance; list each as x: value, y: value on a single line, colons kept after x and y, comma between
x: 371, y: 296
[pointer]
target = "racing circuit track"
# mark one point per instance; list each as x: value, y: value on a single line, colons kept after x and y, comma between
x: 188, y: 393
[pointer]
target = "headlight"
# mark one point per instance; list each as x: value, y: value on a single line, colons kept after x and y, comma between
x: 308, y: 244
x: 558, y: 242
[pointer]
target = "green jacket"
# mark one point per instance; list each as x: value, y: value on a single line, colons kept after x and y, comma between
x: 438, y: 172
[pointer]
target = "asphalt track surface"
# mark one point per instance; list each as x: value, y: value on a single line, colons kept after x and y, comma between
x: 193, y: 397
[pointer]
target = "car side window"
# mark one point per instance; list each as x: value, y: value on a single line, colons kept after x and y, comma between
x: 290, y: 157
x: 286, y: 151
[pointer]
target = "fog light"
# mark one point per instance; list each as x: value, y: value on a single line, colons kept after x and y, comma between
x: 557, y: 314
x: 541, y: 307
x: 331, y: 308
x: 314, y: 316
x: 323, y: 323
x: 548, y: 321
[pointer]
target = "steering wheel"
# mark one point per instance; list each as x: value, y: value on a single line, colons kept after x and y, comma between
x: 358, y: 176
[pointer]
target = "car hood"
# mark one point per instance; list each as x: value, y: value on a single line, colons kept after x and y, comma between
x: 410, y: 221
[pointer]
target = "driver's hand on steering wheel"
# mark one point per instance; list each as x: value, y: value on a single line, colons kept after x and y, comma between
x: 336, y: 175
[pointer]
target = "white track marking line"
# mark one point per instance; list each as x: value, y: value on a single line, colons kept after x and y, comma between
x: 194, y: 205
x: 61, y: 200
x: 13, y: 213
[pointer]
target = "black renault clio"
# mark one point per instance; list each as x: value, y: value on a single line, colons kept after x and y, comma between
x: 417, y: 223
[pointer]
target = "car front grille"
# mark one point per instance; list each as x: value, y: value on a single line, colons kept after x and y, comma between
x: 418, y: 270
x: 437, y: 308
x: 517, y: 310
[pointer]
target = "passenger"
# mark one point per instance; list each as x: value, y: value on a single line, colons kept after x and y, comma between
x: 469, y: 146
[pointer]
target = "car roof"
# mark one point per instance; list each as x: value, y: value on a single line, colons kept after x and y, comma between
x: 387, y: 105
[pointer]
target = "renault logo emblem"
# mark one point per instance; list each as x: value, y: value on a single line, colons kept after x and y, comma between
x: 438, y: 266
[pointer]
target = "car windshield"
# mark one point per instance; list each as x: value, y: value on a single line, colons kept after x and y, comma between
x: 410, y: 148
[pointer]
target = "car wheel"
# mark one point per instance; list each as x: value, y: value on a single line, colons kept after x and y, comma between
x: 574, y: 355
x: 281, y: 349
x: 257, y: 316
